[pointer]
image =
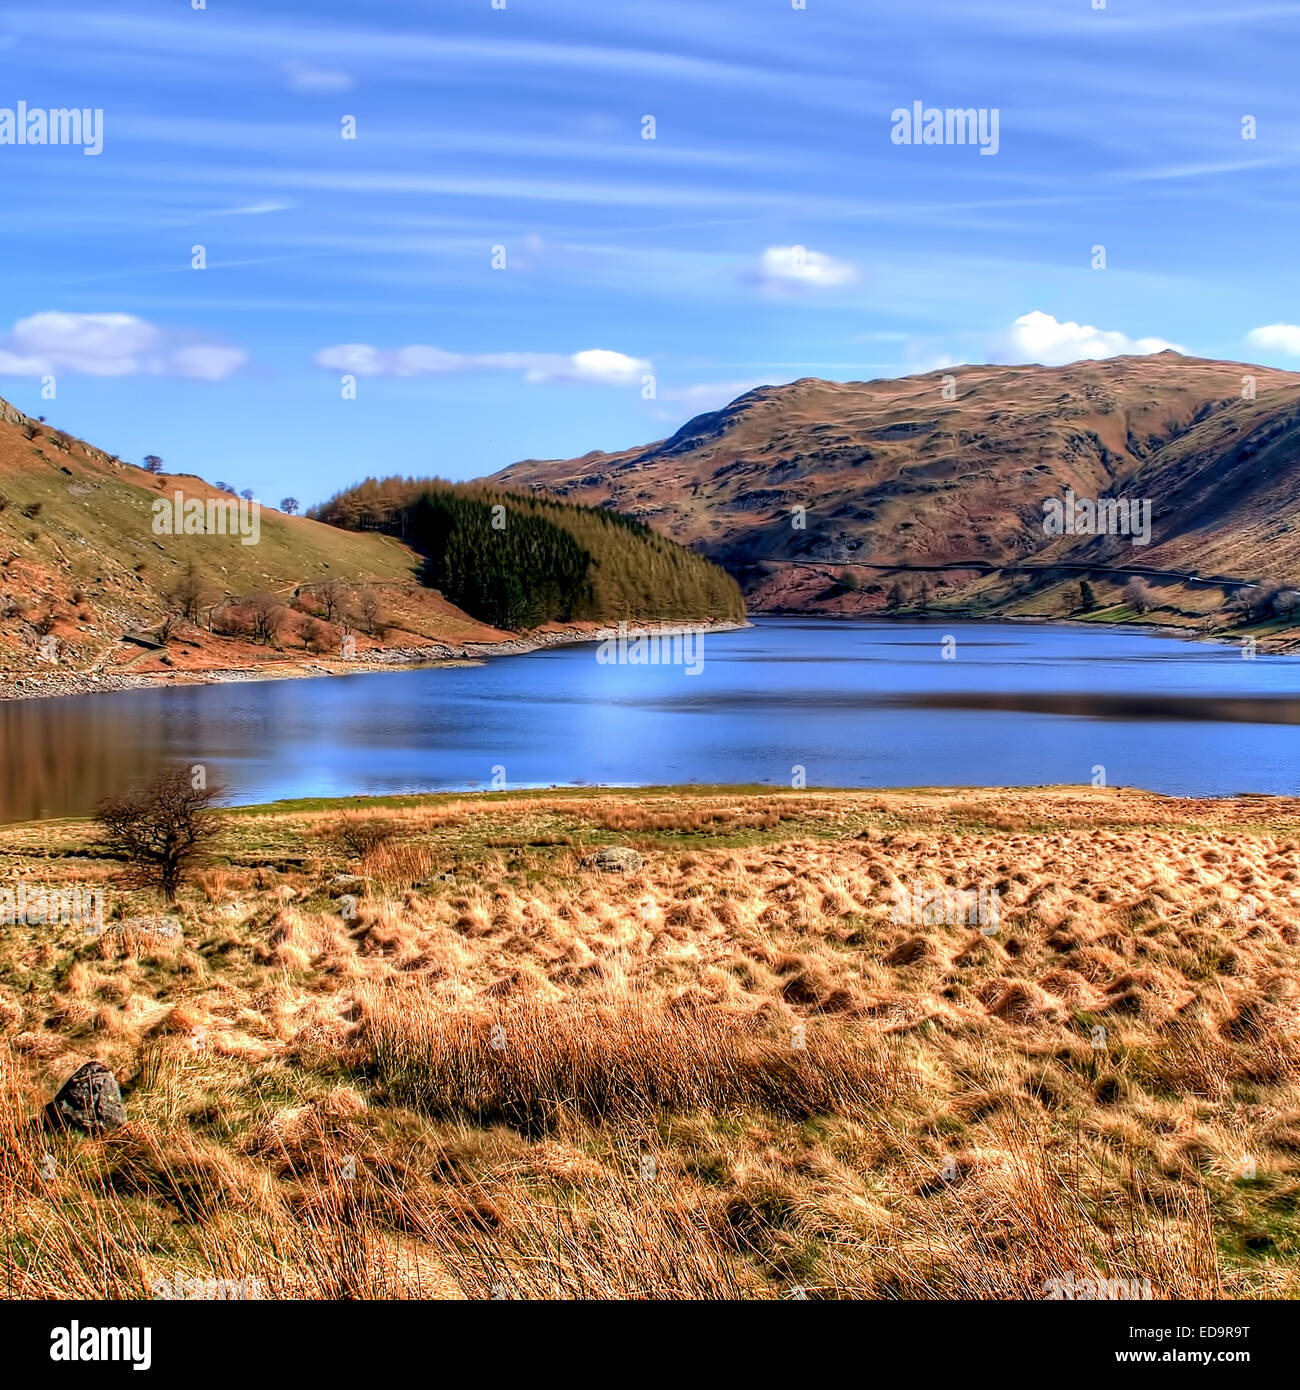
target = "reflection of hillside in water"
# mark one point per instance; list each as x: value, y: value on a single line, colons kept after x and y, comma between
x: 1234, y: 709
x: 61, y: 756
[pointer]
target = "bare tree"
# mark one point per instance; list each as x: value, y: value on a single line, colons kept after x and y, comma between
x: 1254, y: 600
x: 266, y: 615
x: 153, y: 463
x: 368, y: 609
x: 229, y: 619
x: 331, y: 596
x: 162, y: 828
x: 1137, y: 594
x: 186, y: 596
x: 289, y: 505
x: 316, y: 637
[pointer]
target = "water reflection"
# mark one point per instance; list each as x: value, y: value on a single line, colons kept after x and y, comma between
x: 854, y: 704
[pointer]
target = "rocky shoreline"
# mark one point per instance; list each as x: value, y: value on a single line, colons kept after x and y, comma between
x: 57, y: 683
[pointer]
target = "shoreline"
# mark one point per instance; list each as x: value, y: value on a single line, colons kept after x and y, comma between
x: 66, y: 684
x: 1274, y: 645
x: 917, y: 798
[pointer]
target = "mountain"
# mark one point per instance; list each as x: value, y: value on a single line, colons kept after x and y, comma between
x: 82, y: 562
x: 894, y: 475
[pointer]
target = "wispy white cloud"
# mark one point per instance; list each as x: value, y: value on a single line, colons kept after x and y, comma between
x: 253, y: 209
x: 592, y: 367
x: 109, y: 345
x: 312, y: 80
x: 1083, y: 21
x: 328, y: 43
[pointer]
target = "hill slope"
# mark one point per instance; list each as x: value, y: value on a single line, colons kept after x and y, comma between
x: 519, y: 560
x: 80, y: 561
x: 893, y: 475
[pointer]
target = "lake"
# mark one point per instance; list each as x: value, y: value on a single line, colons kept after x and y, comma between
x: 850, y: 703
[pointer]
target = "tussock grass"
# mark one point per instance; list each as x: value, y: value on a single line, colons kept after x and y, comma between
x: 1107, y: 1087
x: 533, y: 1063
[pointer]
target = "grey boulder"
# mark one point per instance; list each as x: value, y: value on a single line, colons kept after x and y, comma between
x: 89, y: 1100
x: 616, y: 859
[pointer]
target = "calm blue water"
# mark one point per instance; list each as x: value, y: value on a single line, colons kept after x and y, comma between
x: 854, y: 704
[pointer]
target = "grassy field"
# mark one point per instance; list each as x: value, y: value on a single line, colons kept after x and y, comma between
x: 469, y: 1064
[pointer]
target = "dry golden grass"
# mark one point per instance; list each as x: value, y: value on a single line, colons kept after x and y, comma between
x: 472, y: 1066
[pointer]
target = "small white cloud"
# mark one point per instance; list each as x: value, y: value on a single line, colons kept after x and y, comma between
x: 1039, y: 337
x: 310, y: 80
x: 1276, y: 337
x: 595, y: 366
x: 786, y: 268
x: 111, y: 345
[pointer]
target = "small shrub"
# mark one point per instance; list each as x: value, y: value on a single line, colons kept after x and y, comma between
x: 361, y: 835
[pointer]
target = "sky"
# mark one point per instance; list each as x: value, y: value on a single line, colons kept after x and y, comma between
x: 501, y: 265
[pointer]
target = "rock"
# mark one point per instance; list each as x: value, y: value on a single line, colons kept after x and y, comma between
x: 89, y: 1100
x: 346, y: 883
x: 615, y: 859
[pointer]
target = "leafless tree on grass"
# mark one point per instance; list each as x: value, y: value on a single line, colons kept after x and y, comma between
x: 163, y: 827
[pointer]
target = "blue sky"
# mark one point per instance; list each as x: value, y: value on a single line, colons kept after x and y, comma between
x: 772, y: 229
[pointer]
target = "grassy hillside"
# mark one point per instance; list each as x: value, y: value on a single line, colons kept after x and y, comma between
x: 80, y: 561
x: 517, y: 560
x: 729, y: 1073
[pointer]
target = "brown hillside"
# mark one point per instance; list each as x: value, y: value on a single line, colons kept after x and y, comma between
x: 893, y: 474
x: 80, y: 562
